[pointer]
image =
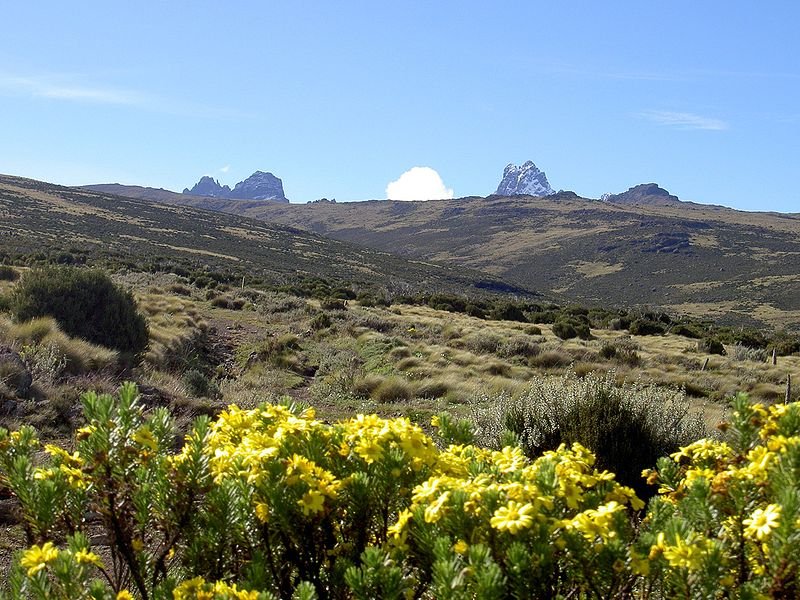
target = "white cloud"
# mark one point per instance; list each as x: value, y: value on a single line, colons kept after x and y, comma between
x: 683, y: 120
x: 418, y: 183
x: 39, y: 87
x: 225, y: 169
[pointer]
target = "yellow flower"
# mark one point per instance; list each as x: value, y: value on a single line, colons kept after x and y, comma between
x: 513, y: 517
x: 460, y: 547
x: 37, y: 557
x: 685, y: 555
x: 124, y: 595
x: 312, y: 502
x: 85, y: 557
x: 144, y: 437
x: 262, y: 512
x: 433, y: 511
x: 762, y: 522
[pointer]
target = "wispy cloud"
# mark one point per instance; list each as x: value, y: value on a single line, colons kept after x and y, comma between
x: 69, y: 89
x: 225, y: 169
x: 44, y: 88
x: 682, y: 120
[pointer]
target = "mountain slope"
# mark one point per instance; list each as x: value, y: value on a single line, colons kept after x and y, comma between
x: 74, y: 224
x: 694, y: 258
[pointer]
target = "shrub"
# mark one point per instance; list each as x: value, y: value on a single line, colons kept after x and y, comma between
x: 273, y: 503
x: 519, y: 346
x: 320, y: 321
x: 86, y: 303
x: 331, y: 303
x: 646, y: 327
x: 197, y: 384
x: 8, y: 273
x: 711, y: 346
x: 627, y: 427
x: 564, y: 330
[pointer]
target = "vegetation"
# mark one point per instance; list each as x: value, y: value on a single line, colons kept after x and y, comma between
x: 369, y: 507
x: 86, y: 303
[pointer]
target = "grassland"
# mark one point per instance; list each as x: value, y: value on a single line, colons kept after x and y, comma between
x: 737, y: 267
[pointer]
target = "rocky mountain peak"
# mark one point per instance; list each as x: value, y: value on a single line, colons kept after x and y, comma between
x: 259, y: 186
x: 644, y: 193
x: 208, y: 186
x: 525, y: 180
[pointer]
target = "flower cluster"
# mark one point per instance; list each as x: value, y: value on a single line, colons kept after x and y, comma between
x: 272, y: 502
x: 728, y: 513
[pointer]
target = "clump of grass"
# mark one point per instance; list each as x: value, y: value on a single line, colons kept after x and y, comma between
x: 78, y: 355
x: 550, y: 359
x: 481, y: 342
x: 519, y: 347
x: 197, y: 384
x: 392, y: 389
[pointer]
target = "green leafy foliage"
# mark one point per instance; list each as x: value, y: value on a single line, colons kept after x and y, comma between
x: 85, y: 303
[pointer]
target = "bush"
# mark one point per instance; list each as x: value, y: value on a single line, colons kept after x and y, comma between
x: 646, y: 327
x: 320, y: 321
x: 85, y: 303
x: 199, y: 385
x: 564, y: 330
x: 628, y: 427
x: 711, y: 346
x: 330, y: 303
x: 8, y: 273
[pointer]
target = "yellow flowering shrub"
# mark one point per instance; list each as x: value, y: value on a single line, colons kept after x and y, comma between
x: 274, y: 503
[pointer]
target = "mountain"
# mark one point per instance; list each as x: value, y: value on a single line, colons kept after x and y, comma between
x: 734, y: 266
x: 646, y: 193
x: 74, y: 225
x: 208, y: 186
x: 527, y: 180
x: 259, y: 186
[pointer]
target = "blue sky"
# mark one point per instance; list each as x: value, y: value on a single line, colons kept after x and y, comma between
x: 340, y: 98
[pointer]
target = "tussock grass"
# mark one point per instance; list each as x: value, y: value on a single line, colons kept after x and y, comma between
x: 80, y: 356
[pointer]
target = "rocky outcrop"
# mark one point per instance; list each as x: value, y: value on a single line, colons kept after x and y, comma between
x: 646, y: 193
x: 208, y: 186
x: 259, y: 186
x: 527, y: 180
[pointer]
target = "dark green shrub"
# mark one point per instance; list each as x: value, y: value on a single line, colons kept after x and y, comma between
x: 199, y: 385
x: 532, y: 330
x: 473, y: 310
x: 507, y: 311
x: 5, y: 303
x: 332, y: 304
x: 564, y: 330
x: 85, y: 303
x: 320, y: 321
x: 646, y: 327
x: 711, y: 346
x: 8, y: 273
x: 686, y: 330
x: 608, y: 351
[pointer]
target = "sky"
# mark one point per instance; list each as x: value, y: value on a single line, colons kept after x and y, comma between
x: 366, y: 100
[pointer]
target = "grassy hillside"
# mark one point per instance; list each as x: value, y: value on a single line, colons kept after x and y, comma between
x: 689, y: 258
x: 48, y: 222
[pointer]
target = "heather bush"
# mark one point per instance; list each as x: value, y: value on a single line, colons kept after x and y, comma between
x: 85, y: 303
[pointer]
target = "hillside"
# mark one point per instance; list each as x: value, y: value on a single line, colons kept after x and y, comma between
x: 84, y: 226
x: 737, y: 266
